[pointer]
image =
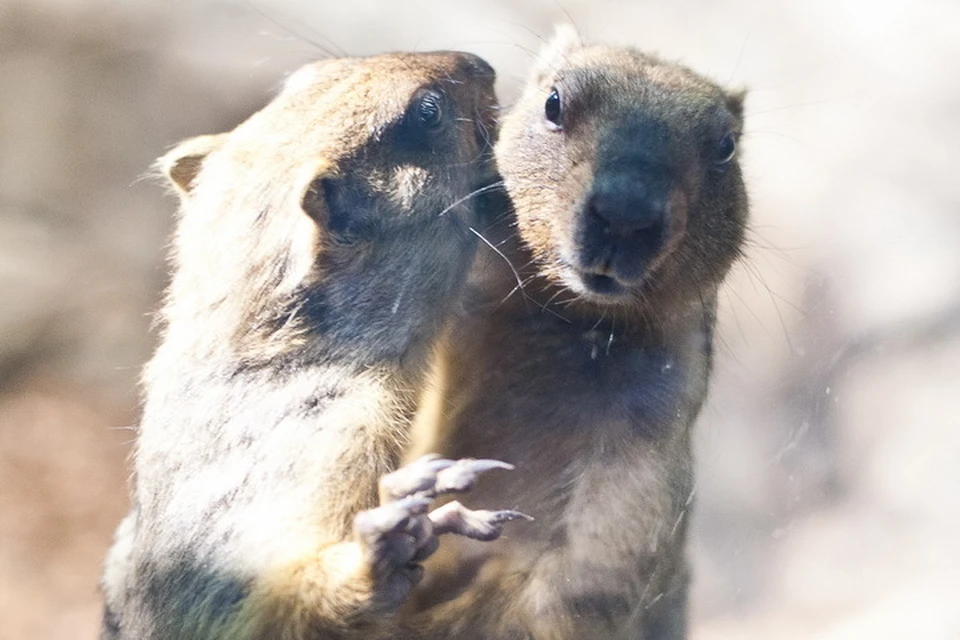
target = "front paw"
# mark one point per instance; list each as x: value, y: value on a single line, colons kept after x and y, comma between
x: 402, y: 531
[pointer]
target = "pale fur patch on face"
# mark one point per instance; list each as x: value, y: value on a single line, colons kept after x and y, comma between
x: 410, y: 182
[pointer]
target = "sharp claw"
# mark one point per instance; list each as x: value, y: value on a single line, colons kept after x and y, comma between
x: 453, y: 517
x: 482, y: 465
x: 508, y: 516
x: 463, y: 475
x: 431, y: 463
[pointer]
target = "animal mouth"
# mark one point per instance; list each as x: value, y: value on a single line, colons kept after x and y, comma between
x: 602, y: 284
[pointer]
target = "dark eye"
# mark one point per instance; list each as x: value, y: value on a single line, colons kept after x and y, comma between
x: 551, y: 109
x: 429, y: 111
x: 726, y: 149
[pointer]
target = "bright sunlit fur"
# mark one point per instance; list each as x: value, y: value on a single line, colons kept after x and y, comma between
x: 289, y: 366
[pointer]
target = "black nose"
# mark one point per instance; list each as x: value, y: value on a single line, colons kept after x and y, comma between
x: 627, y: 205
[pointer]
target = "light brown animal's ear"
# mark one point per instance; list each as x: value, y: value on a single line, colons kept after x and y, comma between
x: 182, y: 163
x: 554, y: 54
x: 735, y: 100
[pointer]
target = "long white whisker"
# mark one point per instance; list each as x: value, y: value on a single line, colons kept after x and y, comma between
x: 516, y: 275
x: 475, y: 192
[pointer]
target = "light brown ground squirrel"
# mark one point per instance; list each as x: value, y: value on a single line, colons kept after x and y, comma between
x: 586, y: 362
x: 318, y: 250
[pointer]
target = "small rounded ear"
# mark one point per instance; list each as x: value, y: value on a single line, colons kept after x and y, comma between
x: 734, y: 102
x: 336, y: 205
x: 314, y: 201
x: 554, y: 53
x: 313, y: 197
x: 182, y: 163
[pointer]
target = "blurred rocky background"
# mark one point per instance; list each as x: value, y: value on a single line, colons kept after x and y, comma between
x: 828, y: 501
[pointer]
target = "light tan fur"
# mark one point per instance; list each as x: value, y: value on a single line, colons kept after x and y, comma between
x: 320, y: 245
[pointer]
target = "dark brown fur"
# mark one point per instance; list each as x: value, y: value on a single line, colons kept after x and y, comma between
x: 589, y: 377
x: 318, y: 248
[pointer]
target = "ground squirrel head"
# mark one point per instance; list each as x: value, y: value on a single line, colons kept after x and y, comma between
x: 624, y: 174
x: 332, y: 185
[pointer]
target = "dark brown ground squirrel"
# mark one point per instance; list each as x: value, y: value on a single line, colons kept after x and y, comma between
x: 629, y: 210
x: 319, y: 248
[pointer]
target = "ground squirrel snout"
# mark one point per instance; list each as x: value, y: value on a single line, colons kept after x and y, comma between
x: 623, y: 172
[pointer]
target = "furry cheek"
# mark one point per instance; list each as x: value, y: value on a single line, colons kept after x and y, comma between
x: 410, y: 184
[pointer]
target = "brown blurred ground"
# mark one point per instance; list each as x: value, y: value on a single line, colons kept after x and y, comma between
x: 829, y: 493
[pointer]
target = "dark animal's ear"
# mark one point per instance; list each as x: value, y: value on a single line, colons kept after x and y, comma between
x: 734, y: 102
x: 336, y: 206
x: 182, y: 163
x: 314, y: 200
x: 554, y: 54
